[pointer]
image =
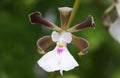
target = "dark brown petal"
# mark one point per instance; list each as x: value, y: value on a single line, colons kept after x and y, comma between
x: 106, y: 19
x: 44, y: 44
x: 87, y: 23
x: 81, y: 44
x: 64, y: 17
x: 36, y: 17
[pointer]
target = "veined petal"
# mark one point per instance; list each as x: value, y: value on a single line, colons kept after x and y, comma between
x: 36, y: 17
x: 81, y: 44
x: 65, y: 13
x: 44, y: 43
x: 87, y: 23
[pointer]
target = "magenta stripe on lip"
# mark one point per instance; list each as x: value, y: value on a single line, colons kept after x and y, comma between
x: 59, y: 50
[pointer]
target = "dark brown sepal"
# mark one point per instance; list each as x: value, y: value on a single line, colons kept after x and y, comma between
x: 44, y: 44
x: 89, y: 22
x: 36, y: 17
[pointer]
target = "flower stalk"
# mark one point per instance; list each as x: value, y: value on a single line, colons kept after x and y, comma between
x: 75, y: 8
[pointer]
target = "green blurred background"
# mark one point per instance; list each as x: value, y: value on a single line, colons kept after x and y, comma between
x: 18, y: 50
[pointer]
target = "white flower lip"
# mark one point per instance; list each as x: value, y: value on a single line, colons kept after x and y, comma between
x: 59, y: 59
x: 65, y: 9
x: 115, y: 30
x: 53, y: 61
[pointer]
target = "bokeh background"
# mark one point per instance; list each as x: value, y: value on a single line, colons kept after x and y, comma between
x: 18, y: 50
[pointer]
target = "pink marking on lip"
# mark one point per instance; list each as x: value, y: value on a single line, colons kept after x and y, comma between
x: 59, y: 50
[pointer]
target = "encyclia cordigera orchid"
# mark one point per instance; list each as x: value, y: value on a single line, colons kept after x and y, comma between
x: 60, y: 58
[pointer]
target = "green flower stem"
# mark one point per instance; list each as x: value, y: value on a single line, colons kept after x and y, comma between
x: 75, y: 7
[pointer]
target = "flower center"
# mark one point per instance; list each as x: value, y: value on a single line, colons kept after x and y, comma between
x: 59, y: 50
x: 60, y: 45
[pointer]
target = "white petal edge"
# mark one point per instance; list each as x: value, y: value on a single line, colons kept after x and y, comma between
x: 55, y: 36
x: 49, y: 62
x: 52, y: 61
x: 67, y: 61
x: 115, y: 30
x: 65, y: 9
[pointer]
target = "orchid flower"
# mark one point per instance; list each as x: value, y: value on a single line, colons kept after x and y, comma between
x: 60, y: 59
x: 114, y: 28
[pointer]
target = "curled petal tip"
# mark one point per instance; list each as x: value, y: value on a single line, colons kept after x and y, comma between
x: 92, y: 22
x: 81, y: 54
x: 42, y: 52
x: 34, y: 17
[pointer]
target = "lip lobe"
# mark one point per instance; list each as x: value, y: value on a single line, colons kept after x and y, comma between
x: 59, y: 50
